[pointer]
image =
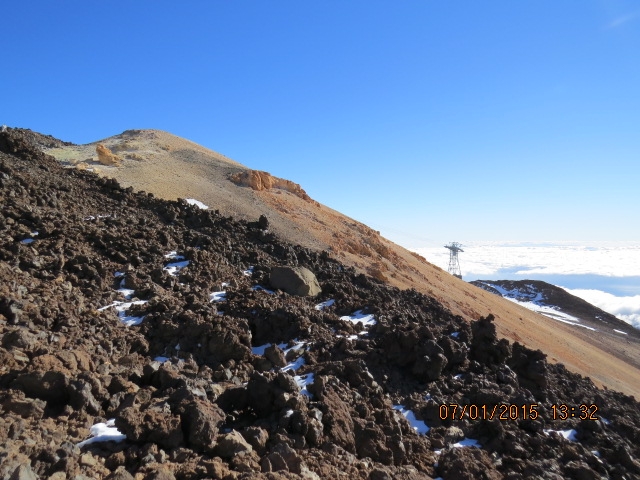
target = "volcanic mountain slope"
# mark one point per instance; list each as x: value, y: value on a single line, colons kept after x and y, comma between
x: 557, y: 303
x: 140, y: 338
x: 171, y: 167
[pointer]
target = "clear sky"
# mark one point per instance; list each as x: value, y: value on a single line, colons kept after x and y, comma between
x: 428, y: 120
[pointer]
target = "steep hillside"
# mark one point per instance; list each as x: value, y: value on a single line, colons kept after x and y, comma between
x: 171, y: 167
x: 141, y: 338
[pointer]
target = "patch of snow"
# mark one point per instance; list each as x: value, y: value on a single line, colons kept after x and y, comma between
x: 119, y: 274
x: 295, y: 365
x: 367, y: 320
x: 620, y: 331
x: 282, y: 346
x: 91, y: 217
x: 418, y: 425
x: 574, y: 324
x: 173, y: 255
x: 325, y: 304
x: 455, y: 334
x: 466, y: 442
x: 177, y: 347
x: 199, y: 204
x: 224, y: 284
x: 303, y: 382
x: 27, y: 241
x: 260, y: 349
x: 122, y: 307
x: 161, y: 359
x: 568, y: 434
x: 174, y: 267
x: 257, y: 288
x: 126, y: 292
x: 218, y: 296
x: 248, y: 272
x: 104, y: 432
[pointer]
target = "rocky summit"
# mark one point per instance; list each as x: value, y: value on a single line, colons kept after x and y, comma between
x: 142, y: 338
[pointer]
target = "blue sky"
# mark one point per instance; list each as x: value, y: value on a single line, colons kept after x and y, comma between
x: 430, y: 121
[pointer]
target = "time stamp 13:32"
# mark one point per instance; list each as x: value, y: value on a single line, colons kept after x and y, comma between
x: 453, y: 411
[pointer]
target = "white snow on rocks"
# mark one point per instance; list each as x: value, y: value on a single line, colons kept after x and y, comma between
x: 325, y: 304
x: 198, y: 203
x: 303, y: 382
x: 257, y: 288
x: 422, y: 428
x: 126, y: 292
x: 295, y: 365
x: 418, y: 425
x: 122, y: 307
x: 27, y: 241
x: 367, y: 319
x: 282, y: 346
x: 248, y: 272
x: 218, y: 296
x: 174, y: 267
x: 466, y: 442
x: 568, y: 434
x: 104, y: 432
x: 620, y: 331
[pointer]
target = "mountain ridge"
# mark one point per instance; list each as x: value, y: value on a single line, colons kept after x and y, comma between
x: 543, y: 293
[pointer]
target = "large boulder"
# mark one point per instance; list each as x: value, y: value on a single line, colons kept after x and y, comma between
x: 298, y: 281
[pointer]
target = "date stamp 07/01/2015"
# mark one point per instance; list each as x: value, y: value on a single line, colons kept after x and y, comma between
x: 454, y: 411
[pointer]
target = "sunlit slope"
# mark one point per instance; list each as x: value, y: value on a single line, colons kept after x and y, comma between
x: 171, y: 167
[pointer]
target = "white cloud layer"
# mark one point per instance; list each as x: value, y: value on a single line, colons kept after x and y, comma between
x: 625, y: 308
x: 614, y: 259
x: 605, y: 274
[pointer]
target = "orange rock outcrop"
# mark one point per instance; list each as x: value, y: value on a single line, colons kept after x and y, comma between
x: 107, y: 157
x: 259, y: 180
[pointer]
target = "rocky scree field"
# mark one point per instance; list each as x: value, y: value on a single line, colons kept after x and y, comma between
x: 141, y: 338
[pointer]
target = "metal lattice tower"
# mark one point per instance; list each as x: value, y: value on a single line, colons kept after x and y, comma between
x: 454, y: 263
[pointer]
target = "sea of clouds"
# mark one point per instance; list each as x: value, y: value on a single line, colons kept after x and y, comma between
x: 605, y: 274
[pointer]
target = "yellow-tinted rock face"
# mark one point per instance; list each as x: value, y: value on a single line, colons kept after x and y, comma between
x: 258, y: 180
x: 106, y: 157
